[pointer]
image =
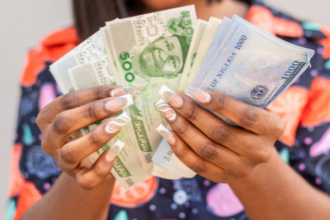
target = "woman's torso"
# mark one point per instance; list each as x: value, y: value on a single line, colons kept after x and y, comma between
x: 304, y: 108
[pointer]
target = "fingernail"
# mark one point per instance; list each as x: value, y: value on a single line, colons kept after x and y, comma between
x: 166, y: 134
x: 113, y: 151
x: 119, y: 103
x: 163, y: 106
x: 170, y: 96
x: 198, y: 94
x: 123, y: 91
x: 116, y: 124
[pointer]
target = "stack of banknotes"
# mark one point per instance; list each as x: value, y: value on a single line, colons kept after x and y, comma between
x: 175, y: 49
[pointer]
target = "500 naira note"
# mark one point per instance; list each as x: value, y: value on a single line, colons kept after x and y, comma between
x: 150, y: 51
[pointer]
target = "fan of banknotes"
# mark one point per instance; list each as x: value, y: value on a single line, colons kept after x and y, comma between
x: 175, y: 49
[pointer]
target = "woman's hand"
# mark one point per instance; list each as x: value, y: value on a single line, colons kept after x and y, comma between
x: 212, y: 148
x: 61, y: 120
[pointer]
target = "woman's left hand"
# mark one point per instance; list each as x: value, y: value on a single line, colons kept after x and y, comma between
x: 212, y: 148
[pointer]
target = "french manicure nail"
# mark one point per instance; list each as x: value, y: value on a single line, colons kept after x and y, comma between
x: 119, y: 103
x: 114, y: 151
x: 116, y: 124
x: 163, y: 106
x: 123, y: 91
x: 166, y: 134
x: 198, y: 94
x: 170, y: 96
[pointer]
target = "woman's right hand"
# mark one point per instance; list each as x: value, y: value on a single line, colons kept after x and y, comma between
x: 60, y: 120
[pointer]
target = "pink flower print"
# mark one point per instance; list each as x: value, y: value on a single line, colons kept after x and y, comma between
x: 222, y: 201
x: 322, y: 146
x: 47, y: 95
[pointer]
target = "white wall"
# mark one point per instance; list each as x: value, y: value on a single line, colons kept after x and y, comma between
x: 23, y: 23
x: 316, y: 10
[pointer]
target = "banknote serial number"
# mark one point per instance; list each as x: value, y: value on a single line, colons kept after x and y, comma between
x: 129, y: 182
x: 148, y: 158
x: 169, y: 155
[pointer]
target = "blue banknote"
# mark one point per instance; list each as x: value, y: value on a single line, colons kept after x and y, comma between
x: 209, y: 58
x: 254, y: 66
x: 248, y: 64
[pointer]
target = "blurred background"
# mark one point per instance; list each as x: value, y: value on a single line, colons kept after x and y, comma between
x: 25, y: 23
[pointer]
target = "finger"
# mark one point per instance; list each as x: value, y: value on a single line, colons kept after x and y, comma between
x: 255, y: 119
x: 120, y: 91
x: 205, y: 148
x: 192, y: 160
x: 72, y: 100
x: 236, y: 139
x: 71, y: 120
x: 100, y: 171
x: 71, y: 154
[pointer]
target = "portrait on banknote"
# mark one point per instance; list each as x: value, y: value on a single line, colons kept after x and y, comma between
x: 165, y: 57
x: 158, y: 46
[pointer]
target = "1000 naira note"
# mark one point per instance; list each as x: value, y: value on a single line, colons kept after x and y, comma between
x: 150, y: 51
x: 254, y: 66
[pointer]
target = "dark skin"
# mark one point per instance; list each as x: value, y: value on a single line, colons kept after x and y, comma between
x: 267, y: 187
x: 243, y: 157
x: 68, y: 114
x: 83, y: 190
x: 217, y: 147
x: 94, y: 201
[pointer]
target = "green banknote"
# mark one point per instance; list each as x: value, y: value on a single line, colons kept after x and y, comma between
x: 210, y: 31
x: 195, y: 43
x: 150, y: 51
x: 127, y: 168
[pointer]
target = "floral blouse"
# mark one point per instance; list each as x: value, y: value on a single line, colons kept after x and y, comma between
x: 305, y: 144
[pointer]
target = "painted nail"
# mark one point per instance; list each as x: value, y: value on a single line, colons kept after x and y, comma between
x: 123, y: 91
x: 198, y: 94
x: 170, y: 96
x: 114, y: 151
x: 163, y: 106
x: 116, y: 124
x: 119, y: 103
x: 166, y: 134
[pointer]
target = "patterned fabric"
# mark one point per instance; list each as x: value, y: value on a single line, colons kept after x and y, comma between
x: 305, y: 144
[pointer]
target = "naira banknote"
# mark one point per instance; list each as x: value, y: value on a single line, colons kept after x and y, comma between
x: 195, y: 43
x: 164, y: 157
x: 206, y: 41
x: 87, y: 51
x: 95, y: 73
x: 254, y: 66
x: 210, y: 57
x: 127, y: 169
x: 91, y: 50
x: 150, y: 51
x: 162, y: 173
x: 175, y: 49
